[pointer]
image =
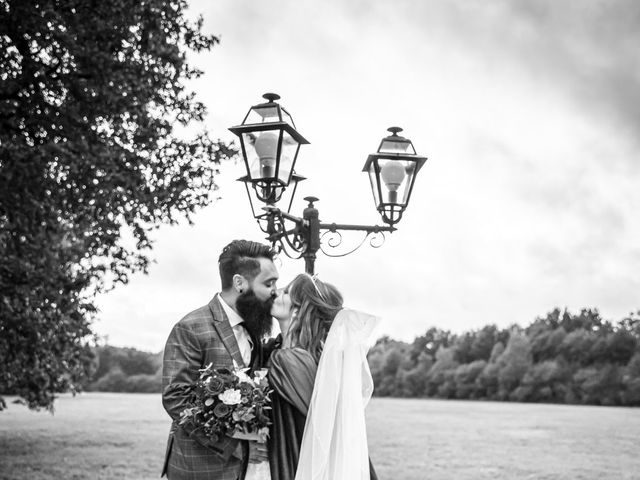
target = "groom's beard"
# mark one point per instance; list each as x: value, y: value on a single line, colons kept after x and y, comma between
x: 256, y: 314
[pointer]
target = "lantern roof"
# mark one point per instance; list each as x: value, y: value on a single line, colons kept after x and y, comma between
x: 269, y: 115
x: 396, y: 147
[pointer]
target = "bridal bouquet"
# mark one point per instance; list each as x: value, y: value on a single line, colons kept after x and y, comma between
x: 230, y: 403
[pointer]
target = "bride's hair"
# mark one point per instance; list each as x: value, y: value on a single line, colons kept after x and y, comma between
x: 316, y: 304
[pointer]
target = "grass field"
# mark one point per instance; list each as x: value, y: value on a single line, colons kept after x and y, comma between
x: 100, y: 436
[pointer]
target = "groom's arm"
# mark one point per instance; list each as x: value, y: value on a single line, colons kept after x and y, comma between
x: 180, y: 369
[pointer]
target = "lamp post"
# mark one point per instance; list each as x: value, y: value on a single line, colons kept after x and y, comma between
x: 270, y: 145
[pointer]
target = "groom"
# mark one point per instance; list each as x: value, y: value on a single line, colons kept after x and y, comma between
x: 230, y: 328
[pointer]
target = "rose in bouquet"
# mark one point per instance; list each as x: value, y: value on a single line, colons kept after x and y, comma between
x: 230, y: 402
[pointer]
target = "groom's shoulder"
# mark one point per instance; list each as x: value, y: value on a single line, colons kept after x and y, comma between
x: 197, y: 319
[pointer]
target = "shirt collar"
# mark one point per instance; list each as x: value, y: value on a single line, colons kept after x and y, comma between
x: 234, y: 318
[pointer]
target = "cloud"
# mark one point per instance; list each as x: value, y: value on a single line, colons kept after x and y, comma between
x: 528, y: 112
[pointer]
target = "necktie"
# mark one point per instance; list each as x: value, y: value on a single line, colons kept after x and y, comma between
x: 244, y: 343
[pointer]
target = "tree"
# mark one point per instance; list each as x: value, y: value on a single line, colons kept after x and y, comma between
x: 599, y: 385
x: 631, y: 381
x: 621, y: 345
x: 466, y: 376
x: 577, y: 346
x: 413, y: 381
x: 513, y: 363
x: 440, y: 377
x: 91, y: 161
x: 545, y: 345
x: 484, y: 341
x: 588, y: 319
x: 129, y: 360
x: 392, y: 361
x: 496, y: 351
x: 430, y: 342
x: 544, y: 382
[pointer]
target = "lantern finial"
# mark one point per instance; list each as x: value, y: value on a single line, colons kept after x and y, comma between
x: 394, y: 130
x: 271, y: 97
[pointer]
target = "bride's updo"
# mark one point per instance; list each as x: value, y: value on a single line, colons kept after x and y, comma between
x: 315, y: 304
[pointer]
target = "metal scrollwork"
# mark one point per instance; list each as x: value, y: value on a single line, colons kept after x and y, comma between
x: 288, y: 242
x: 292, y: 247
x: 377, y: 239
x: 335, y: 240
x: 302, y: 237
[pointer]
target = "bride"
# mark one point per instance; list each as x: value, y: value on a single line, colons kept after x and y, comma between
x: 321, y: 383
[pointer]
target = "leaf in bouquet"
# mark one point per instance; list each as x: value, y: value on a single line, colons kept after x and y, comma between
x: 247, y: 417
x: 209, y: 401
x: 257, y: 395
x: 262, y: 418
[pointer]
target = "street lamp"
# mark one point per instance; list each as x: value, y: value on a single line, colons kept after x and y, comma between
x: 270, y: 145
x: 392, y: 171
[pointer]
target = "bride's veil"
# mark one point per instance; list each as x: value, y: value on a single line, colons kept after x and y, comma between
x: 334, y: 445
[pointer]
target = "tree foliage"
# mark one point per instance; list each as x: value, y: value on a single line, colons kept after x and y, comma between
x: 560, y: 358
x: 126, y: 370
x: 93, y: 106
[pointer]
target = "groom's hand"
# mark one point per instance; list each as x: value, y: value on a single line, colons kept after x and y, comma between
x: 257, y: 452
x: 205, y: 441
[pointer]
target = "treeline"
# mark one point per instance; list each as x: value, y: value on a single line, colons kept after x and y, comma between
x: 117, y: 369
x: 561, y: 358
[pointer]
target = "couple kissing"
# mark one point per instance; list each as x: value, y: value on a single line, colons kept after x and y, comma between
x: 316, y: 368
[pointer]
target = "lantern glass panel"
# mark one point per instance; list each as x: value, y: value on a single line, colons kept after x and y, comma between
x: 287, y: 118
x: 288, y: 153
x: 261, y: 150
x: 396, y: 145
x: 373, y: 177
x: 396, y: 177
x: 262, y: 114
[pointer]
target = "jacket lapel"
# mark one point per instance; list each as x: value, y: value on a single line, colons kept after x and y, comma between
x: 223, y: 327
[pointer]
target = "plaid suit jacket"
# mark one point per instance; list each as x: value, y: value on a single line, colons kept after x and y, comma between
x: 202, y: 337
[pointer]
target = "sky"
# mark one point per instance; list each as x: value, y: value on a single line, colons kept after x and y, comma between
x: 528, y: 112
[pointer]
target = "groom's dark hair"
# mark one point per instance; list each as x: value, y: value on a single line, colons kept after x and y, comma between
x: 241, y: 257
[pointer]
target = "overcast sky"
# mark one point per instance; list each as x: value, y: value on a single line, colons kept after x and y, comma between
x: 528, y: 111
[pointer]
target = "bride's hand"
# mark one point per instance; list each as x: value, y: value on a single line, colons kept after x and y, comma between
x: 257, y: 452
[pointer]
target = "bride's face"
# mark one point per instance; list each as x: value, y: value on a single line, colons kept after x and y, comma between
x: 282, y: 306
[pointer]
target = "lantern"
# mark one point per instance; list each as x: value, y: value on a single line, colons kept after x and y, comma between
x: 270, y: 145
x: 392, y: 171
